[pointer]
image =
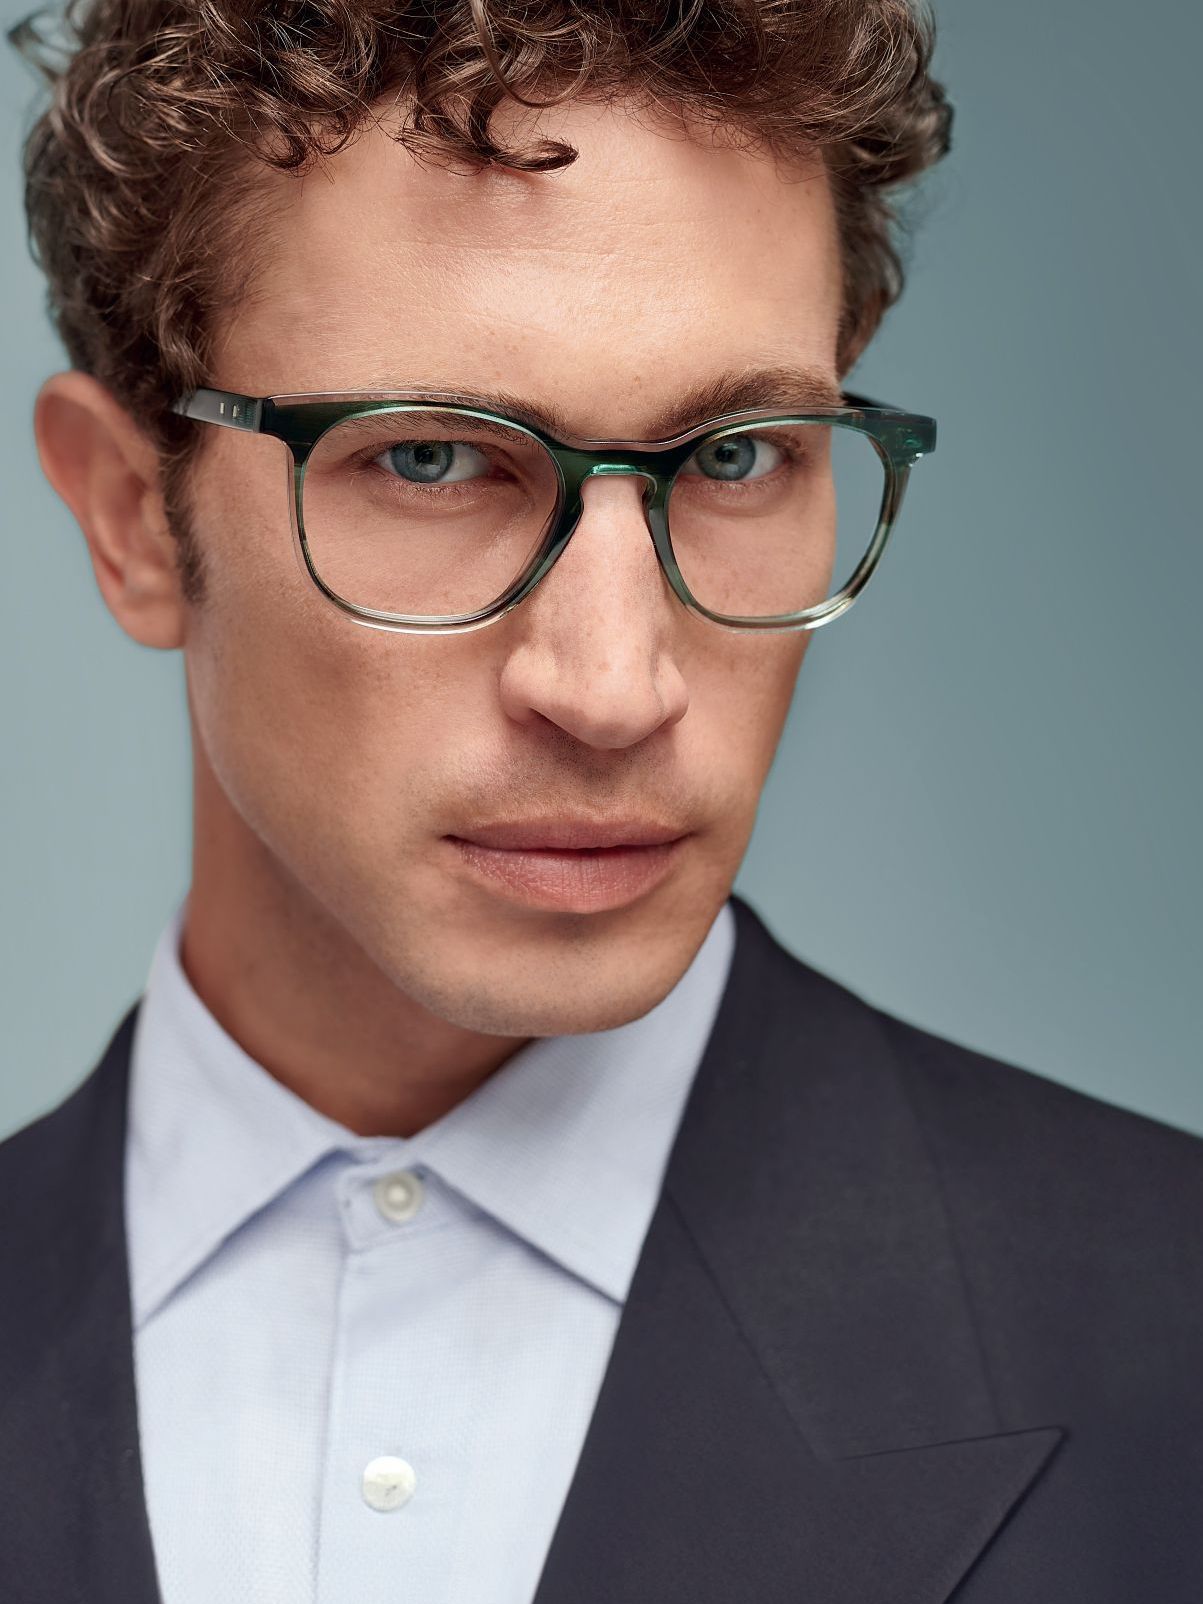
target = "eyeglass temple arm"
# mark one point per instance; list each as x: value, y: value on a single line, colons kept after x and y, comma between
x: 222, y: 406
x: 864, y: 401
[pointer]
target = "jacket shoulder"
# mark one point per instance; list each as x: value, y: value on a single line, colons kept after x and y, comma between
x: 46, y: 1164
x: 978, y: 1110
x: 1076, y: 1223
x: 1012, y: 1127
x: 982, y: 1112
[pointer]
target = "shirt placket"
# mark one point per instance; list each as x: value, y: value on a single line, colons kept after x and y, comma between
x: 396, y: 1454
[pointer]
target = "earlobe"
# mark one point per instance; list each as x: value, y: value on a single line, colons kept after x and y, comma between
x: 106, y: 471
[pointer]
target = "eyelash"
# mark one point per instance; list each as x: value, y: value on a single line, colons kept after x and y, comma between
x: 795, y: 455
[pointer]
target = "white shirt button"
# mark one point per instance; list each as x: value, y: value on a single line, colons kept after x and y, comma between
x: 398, y: 1196
x: 388, y: 1483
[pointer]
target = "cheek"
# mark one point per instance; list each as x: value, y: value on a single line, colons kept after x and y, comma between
x: 740, y: 694
x: 754, y: 674
x: 309, y: 721
x: 324, y: 720
x: 770, y: 700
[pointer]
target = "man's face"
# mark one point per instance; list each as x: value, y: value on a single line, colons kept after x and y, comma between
x: 651, y: 266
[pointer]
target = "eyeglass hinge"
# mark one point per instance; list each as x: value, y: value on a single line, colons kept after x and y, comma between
x: 223, y: 406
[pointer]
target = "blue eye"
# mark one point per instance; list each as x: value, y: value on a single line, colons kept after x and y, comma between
x: 738, y: 457
x: 434, y: 462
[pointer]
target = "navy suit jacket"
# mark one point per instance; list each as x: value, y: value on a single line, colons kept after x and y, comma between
x: 909, y: 1324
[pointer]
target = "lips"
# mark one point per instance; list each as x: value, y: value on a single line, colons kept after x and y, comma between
x: 570, y: 835
x: 571, y: 865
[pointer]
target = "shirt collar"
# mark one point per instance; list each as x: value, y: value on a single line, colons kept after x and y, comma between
x: 565, y: 1144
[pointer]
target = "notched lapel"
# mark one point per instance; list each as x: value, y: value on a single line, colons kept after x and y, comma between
x: 795, y: 1406
x: 907, y: 1526
x: 696, y: 1487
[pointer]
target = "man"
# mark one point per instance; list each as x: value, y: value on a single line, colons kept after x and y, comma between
x: 480, y: 1205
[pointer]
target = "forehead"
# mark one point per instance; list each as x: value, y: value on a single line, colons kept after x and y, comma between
x: 654, y: 264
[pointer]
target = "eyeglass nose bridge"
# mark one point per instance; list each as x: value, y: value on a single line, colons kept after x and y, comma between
x: 615, y: 469
x: 657, y: 485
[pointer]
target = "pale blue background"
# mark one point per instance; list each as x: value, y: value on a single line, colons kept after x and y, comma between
x: 984, y: 814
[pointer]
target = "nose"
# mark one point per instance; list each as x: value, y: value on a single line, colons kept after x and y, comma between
x: 593, y: 644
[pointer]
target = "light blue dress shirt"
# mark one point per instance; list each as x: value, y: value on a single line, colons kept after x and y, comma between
x: 366, y: 1365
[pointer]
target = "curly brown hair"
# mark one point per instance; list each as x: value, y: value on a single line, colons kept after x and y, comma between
x: 140, y: 175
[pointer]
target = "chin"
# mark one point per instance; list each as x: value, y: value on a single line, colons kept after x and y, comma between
x: 555, y: 984
x: 521, y: 1015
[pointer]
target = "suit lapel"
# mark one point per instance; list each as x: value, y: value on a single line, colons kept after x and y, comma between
x: 74, y: 1524
x: 795, y: 1405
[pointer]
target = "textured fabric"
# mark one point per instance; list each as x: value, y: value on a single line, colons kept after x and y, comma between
x: 287, y: 1332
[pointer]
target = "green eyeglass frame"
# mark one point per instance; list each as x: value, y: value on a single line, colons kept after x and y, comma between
x: 899, y: 438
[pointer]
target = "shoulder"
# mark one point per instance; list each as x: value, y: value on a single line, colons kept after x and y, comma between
x: 1076, y: 1226
x: 996, y: 1124
x: 1060, y: 1200
x: 1075, y: 1223
x: 982, y: 1115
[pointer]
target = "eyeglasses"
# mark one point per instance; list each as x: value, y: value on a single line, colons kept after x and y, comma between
x: 418, y: 514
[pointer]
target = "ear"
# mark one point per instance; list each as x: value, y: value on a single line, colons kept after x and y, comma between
x: 106, y: 470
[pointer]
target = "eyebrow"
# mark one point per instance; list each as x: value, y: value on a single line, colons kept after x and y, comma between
x: 784, y: 387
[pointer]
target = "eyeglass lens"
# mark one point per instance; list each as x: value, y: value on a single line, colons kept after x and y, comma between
x: 434, y: 514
